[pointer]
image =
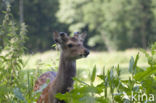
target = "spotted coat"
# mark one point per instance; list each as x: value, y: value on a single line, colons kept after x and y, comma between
x: 50, y: 75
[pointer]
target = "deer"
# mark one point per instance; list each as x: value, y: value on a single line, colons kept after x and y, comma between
x: 71, y: 49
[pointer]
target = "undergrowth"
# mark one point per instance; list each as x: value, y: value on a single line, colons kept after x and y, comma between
x: 16, y: 85
x: 140, y: 87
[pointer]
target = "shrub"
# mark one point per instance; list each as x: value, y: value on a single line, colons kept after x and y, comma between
x: 11, y: 63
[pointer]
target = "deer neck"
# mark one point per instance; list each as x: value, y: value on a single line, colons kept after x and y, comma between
x: 66, y: 72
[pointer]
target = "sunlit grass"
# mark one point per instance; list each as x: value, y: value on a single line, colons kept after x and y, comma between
x: 48, y: 59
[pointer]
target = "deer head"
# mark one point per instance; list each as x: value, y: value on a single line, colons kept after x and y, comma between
x: 72, y: 47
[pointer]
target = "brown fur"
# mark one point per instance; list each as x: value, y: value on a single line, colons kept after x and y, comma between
x: 67, y: 67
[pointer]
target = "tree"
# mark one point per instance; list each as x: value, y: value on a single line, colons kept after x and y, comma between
x: 119, y: 24
x: 41, y: 20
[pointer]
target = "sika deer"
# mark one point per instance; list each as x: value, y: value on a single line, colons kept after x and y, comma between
x: 71, y: 49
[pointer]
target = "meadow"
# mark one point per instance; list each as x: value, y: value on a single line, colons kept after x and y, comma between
x: 93, y: 80
x: 101, y: 77
x: 49, y: 61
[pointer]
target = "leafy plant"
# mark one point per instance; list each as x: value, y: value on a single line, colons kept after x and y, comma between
x: 113, y: 89
x: 147, y: 76
x: 11, y: 63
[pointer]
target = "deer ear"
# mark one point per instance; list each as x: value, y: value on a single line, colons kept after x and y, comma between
x: 83, y: 36
x: 60, y: 37
x: 56, y: 37
x: 63, y: 36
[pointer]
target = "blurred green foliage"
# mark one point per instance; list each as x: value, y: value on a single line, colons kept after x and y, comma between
x: 118, y: 24
x: 12, y: 40
x: 111, y: 24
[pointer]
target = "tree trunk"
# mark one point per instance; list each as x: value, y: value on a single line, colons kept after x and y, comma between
x: 146, y: 21
x: 143, y: 28
x: 21, y: 14
x: 106, y: 42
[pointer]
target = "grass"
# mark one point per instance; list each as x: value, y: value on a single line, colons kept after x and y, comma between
x: 50, y: 59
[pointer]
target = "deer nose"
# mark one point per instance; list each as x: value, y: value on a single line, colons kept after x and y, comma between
x: 86, y: 53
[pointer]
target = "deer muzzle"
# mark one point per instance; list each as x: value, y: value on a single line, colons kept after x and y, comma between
x: 86, y: 53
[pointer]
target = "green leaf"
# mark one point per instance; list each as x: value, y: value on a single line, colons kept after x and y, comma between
x: 18, y: 94
x: 118, y: 70
x: 112, y: 73
x: 76, y: 79
x: 131, y: 63
x: 93, y: 74
x: 135, y: 63
x: 142, y: 75
x: 60, y: 96
x: 54, y: 45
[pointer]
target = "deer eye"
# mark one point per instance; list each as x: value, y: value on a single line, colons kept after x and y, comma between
x: 70, y: 45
